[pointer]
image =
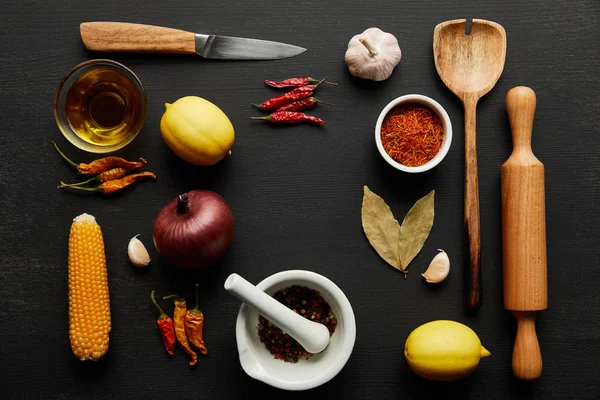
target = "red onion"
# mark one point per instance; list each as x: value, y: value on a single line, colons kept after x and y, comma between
x: 194, y: 229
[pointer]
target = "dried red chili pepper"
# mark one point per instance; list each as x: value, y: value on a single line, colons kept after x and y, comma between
x: 290, y: 117
x: 102, y: 164
x: 295, y: 82
x: 114, y: 185
x: 194, y: 324
x: 165, y: 327
x: 108, y: 163
x: 179, y: 318
x: 277, y: 102
x: 303, y: 104
x: 287, y: 98
x: 106, y: 176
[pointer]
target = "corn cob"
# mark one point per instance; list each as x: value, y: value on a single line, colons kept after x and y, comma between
x: 89, y: 303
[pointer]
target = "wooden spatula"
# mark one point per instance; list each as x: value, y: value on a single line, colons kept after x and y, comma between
x: 470, y: 66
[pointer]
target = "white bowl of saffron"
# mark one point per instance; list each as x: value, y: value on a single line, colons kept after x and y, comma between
x: 413, y: 133
x: 259, y: 364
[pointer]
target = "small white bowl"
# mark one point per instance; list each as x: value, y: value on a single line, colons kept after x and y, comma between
x: 435, y: 107
x: 259, y: 364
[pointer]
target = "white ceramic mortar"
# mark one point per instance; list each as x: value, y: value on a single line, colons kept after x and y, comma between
x: 259, y: 364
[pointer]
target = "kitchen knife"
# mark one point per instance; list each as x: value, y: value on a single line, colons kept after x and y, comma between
x: 125, y: 37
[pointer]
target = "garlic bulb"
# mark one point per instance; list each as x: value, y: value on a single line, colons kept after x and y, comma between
x: 373, y: 54
x: 138, y: 255
x: 438, y: 269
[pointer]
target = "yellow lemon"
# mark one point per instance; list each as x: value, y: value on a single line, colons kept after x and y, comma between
x: 197, y: 130
x: 443, y: 350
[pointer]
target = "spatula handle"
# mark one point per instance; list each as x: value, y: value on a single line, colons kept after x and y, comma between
x: 136, y: 38
x: 471, y: 215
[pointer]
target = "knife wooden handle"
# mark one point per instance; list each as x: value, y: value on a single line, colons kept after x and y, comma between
x: 136, y: 38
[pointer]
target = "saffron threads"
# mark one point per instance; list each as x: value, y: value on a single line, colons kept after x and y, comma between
x: 304, y: 301
x: 412, y: 134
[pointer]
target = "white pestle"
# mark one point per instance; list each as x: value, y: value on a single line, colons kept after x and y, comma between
x: 313, y: 336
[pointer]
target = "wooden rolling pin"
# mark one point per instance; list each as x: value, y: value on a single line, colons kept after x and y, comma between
x: 524, y: 234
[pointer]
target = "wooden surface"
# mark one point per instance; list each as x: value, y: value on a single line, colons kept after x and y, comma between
x: 136, y: 38
x: 296, y: 195
x: 470, y: 59
x: 524, y: 233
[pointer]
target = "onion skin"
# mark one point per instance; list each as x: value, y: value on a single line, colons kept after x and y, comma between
x: 196, y: 233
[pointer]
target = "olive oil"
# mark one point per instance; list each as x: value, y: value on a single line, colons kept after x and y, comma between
x: 104, y: 107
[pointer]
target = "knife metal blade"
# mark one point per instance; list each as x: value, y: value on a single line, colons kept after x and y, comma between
x: 236, y: 48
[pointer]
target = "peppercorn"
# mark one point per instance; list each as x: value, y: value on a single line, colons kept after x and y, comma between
x: 306, y: 302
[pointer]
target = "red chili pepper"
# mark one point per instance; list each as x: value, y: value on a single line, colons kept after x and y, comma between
x: 280, y: 101
x: 290, y: 117
x: 295, y: 82
x: 179, y: 318
x: 108, y: 163
x: 303, y: 104
x: 114, y: 185
x: 296, y: 94
x: 166, y: 327
x: 194, y: 325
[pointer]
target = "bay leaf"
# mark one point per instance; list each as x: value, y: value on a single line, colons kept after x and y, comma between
x: 415, y: 229
x: 381, y: 228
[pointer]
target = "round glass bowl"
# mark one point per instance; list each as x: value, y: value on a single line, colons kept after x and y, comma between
x: 436, y: 108
x: 100, y: 106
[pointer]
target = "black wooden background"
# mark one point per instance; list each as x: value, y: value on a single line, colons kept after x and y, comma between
x: 296, y: 194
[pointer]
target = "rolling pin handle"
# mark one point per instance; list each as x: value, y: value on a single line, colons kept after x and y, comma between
x: 520, y: 106
x: 527, y: 356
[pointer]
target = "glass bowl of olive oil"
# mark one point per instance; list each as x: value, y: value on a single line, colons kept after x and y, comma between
x: 100, y: 106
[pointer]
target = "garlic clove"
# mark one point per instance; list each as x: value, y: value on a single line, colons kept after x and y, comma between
x: 138, y: 255
x: 438, y: 268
